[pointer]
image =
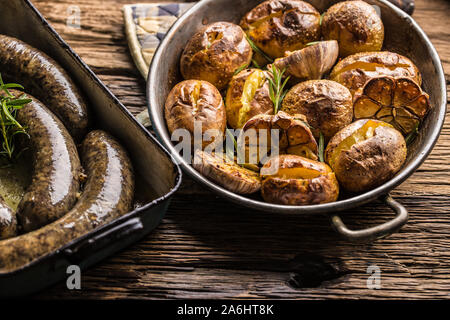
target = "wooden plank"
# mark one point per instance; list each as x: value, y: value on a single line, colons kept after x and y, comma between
x: 207, y: 247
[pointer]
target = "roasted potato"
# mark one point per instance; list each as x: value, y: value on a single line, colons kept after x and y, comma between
x: 247, y: 96
x: 309, y: 63
x: 215, y: 53
x: 355, y: 25
x: 399, y: 101
x: 326, y: 104
x: 277, y: 26
x: 196, y: 101
x: 298, y: 181
x: 293, y: 137
x: 366, y: 154
x: 226, y: 173
x: 354, y: 71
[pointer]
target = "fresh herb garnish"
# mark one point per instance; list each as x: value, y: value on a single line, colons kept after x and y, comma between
x: 9, y: 126
x: 321, y: 147
x: 256, y: 64
x: 244, y: 66
x: 412, y: 135
x: 259, y: 51
x: 228, y: 152
x: 276, y: 87
x: 321, y: 18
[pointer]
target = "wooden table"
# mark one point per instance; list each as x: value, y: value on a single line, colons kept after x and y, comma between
x: 207, y: 247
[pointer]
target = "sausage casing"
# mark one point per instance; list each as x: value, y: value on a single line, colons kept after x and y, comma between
x: 56, y: 167
x: 46, y: 80
x: 108, y: 194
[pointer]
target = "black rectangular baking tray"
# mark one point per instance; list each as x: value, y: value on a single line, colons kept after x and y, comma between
x: 158, y: 177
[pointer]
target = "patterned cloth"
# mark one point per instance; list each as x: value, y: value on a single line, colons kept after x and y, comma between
x: 146, y: 24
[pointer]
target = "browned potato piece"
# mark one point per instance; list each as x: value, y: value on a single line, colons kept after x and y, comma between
x: 326, y: 104
x: 215, y: 53
x: 247, y: 96
x: 299, y: 181
x: 277, y: 26
x: 195, y: 100
x: 294, y: 136
x: 355, y: 25
x: 366, y: 154
x: 226, y: 173
x: 309, y: 63
x: 354, y: 71
x: 399, y: 101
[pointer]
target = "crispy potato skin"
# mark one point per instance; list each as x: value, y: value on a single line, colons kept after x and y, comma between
x: 284, y: 190
x: 215, y: 53
x: 182, y: 108
x: 326, y: 104
x: 260, y: 104
x: 369, y: 163
x: 229, y: 175
x: 355, y: 70
x: 355, y: 25
x: 277, y: 26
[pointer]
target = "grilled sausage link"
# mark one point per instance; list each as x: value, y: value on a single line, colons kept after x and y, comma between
x: 56, y: 167
x: 108, y: 194
x: 8, y: 221
x: 46, y: 80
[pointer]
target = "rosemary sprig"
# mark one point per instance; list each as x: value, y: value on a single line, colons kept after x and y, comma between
x: 244, y: 66
x: 321, y: 147
x: 9, y: 126
x: 412, y: 135
x: 258, y: 50
x: 230, y: 153
x: 276, y: 87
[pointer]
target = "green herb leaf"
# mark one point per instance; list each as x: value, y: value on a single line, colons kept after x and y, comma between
x: 412, y: 135
x: 9, y: 126
x: 258, y: 50
x: 276, y: 87
x: 321, y: 147
x: 243, y: 67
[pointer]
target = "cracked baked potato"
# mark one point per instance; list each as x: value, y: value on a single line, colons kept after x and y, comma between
x: 355, y: 70
x: 366, y: 154
x: 277, y: 26
x: 215, y: 53
x: 298, y: 181
x: 355, y: 25
x: 196, y: 101
x: 326, y: 104
x: 247, y: 96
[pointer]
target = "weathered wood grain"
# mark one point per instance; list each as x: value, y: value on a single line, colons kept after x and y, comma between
x: 207, y: 247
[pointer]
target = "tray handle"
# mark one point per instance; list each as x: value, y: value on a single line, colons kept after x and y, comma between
x: 376, y: 232
x: 103, y: 238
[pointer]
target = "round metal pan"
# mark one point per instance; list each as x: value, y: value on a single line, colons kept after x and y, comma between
x: 402, y: 35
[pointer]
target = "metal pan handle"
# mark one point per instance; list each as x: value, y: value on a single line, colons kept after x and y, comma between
x: 376, y: 232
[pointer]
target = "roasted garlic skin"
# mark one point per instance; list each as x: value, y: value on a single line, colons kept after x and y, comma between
x: 355, y: 25
x: 326, y: 104
x: 398, y: 101
x: 215, y: 53
x: 355, y: 70
x: 227, y: 173
x: 277, y: 26
x: 366, y: 154
x: 293, y: 134
x: 193, y: 101
x: 309, y: 63
x: 298, y: 181
x: 247, y: 96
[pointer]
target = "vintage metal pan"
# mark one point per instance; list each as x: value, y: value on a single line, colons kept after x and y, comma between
x: 157, y: 176
x: 402, y: 35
